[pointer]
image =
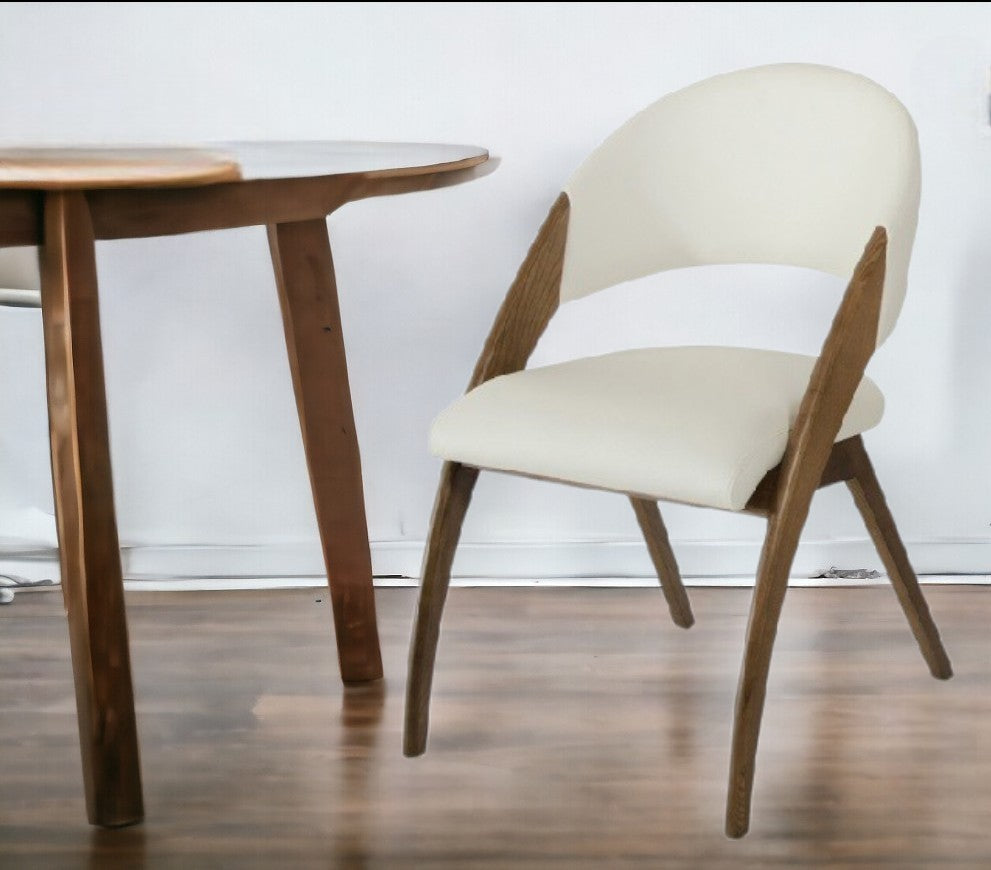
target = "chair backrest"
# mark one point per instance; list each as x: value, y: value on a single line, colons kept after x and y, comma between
x: 19, y: 268
x: 19, y: 279
x: 791, y: 164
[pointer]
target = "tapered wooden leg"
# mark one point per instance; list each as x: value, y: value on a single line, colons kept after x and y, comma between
x: 304, y: 272
x: 783, y: 532
x: 453, y: 496
x: 838, y: 371
x: 84, y: 506
x: 661, y: 554
x: 873, y: 508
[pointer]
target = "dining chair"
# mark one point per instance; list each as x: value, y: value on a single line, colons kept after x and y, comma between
x: 789, y: 164
x: 18, y: 280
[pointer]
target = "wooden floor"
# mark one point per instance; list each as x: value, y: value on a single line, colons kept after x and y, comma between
x: 571, y: 728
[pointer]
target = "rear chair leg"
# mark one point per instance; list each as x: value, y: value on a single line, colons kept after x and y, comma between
x: 661, y: 554
x: 873, y: 508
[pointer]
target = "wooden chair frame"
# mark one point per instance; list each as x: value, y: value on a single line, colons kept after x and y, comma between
x: 812, y: 460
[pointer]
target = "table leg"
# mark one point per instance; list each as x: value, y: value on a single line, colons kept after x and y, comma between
x: 84, y: 506
x: 304, y: 273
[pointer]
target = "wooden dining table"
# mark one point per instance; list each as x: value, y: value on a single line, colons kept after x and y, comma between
x: 64, y: 200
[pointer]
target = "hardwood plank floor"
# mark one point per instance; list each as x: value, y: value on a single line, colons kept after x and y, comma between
x: 570, y: 728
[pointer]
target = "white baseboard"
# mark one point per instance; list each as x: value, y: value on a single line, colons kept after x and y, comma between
x: 225, y: 584
x: 563, y: 563
x: 549, y: 560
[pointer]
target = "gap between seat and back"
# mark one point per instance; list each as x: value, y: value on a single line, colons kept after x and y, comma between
x: 19, y: 278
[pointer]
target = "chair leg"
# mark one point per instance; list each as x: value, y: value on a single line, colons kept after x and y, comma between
x: 661, y: 554
x: 871, y: 503
x: 769, y: 595
x: 453, y: 496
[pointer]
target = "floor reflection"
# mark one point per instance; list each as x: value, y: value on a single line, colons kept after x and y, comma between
x: 362, y: 709
x: 116, y: 847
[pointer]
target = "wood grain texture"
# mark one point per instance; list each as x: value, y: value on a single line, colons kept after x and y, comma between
x: 838, y: 469
x: 528, y: 307
x: 453, y: 497
x: 97, y: 167
x: 530, y: 302
x: 124, y: 214
x: 91, y: 168
x: 140, y: 212
x: 304, y: 271
x: 659, y: 547
x: 84, y: 507
x: 572, y: 733
x: 873, y: 508
x: 837, y: 374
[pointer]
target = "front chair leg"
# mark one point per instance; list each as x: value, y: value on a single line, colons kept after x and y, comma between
x: 831, y: 388
x: 661, y: 554
x: 453, y: 496
x: 873, y: 508
x: 769, y: 594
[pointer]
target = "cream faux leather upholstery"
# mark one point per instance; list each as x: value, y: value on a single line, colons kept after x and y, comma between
x: 792, y: 164
x: 694, y: 424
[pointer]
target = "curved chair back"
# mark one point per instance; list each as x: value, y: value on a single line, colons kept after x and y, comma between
x: 19, y: 279
x: 791, y: 164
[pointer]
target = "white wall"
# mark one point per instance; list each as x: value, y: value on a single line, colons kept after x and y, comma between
x: 205, y: 445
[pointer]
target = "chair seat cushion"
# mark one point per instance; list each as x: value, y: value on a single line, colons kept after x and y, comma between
x: 700, y: 425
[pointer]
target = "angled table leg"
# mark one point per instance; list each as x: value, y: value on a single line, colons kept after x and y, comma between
x: 304, y: 272
x: 84, y: 506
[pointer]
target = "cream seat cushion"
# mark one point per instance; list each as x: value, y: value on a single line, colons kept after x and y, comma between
x: 692, y: 424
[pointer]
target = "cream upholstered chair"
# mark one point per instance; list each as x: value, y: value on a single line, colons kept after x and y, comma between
x: 18, y: 278
x: 786, y: 164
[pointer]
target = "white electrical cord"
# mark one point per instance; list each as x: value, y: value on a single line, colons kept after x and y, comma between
x: 10, y: 582
x: 18, y: 297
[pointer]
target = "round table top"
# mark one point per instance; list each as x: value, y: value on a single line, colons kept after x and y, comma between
x: 88, y: 168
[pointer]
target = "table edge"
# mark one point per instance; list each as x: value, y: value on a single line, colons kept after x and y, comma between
x: 229, y: 172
